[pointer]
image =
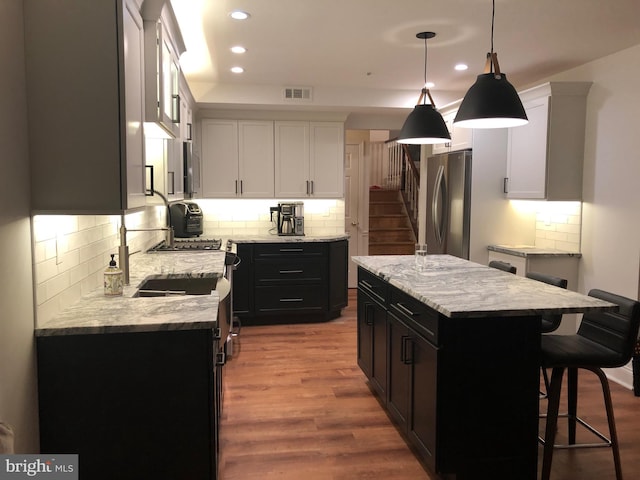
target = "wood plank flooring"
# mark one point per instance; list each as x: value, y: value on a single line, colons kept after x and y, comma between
x: 297, y: 407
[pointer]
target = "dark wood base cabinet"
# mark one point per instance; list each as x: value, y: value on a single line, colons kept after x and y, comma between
x: 132, y: 405
x: 290, y: 281
x: 462, y: 391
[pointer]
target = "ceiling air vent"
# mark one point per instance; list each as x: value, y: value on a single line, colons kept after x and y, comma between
x: 297, y: 93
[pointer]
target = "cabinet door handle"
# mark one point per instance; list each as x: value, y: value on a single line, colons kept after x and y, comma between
x: 307, y: 187
x: 291, y: 299
x: 241, y: 188
x: 312, y: 188
x: 407, y: 345
x: 505, y: 185
x: 368, y: 317
x: 283, y: 272
x: 149, y: 191
x: 217, y: 333
x: 404, y: 309
x: 172, y: 181
x: 236, y: 187
x: 175, y: 109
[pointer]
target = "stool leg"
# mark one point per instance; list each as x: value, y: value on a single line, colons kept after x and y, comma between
x: 572, y: 402
x: 552, y: 420
x: 606, y: 392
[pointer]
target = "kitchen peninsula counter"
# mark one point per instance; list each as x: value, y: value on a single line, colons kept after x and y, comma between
x: 286, y: 238
x: 96, y: 313
x: 453, y: 352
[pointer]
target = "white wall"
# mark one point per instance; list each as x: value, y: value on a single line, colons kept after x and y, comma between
x: 18, y: 405
x: 611, y: 188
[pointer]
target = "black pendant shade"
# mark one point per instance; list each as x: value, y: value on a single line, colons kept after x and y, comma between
x: 491, y: 102
x: 423, y: 126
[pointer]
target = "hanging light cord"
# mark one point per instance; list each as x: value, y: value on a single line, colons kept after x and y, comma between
x: 424, y: 100
x: 493, y: 17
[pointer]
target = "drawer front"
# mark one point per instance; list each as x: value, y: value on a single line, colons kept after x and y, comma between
x: 292, y: 299
x: 421, y: 318
x: 289, y: 249
x: 298, y: 270
x: 373, y: 285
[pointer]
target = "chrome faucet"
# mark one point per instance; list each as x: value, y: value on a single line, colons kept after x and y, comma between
x: 123, y: 249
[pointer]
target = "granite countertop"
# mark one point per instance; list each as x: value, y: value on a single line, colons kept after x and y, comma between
x: 286, y: 238
x: 458, y: 288
x: 97, y: 313
x: 528, y: 251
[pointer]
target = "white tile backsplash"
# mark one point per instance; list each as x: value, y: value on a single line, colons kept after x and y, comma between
x: 558, y: 225
x: 224, y: 218
x: 71, y: 252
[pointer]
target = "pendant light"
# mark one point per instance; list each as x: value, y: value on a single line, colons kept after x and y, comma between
x: 425, y: 124
x: 491, y: 102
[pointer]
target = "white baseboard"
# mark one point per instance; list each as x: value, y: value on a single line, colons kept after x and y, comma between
x: 622, y: 376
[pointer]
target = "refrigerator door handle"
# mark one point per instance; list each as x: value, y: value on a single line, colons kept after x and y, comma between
x: 438, y: 205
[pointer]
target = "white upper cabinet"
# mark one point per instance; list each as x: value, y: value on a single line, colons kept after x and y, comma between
x: 163, y: 47
x: 237, y: 158
x: 545, y: 157
x: 84, y: 70
x: 309, y: 159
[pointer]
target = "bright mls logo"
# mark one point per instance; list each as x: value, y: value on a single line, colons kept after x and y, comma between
x: 51, y: 467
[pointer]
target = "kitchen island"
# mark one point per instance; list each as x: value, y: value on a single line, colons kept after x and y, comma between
x: 290, y: 278
x: 133, y: 384
x: 453, y: 354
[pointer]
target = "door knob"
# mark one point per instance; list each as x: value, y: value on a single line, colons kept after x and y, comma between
x: 354, y: 223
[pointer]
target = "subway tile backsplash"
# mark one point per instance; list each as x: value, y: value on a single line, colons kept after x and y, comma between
x: 224, y: 218
x: 558, y: 225
x: 70, y: 253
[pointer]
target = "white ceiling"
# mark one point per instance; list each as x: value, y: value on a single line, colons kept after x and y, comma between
x: 363, y: 55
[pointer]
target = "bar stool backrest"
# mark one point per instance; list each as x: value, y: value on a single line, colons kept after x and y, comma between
x: 617, y: 331
x: 549, y: 322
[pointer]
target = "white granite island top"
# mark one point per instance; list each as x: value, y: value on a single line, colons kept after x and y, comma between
x: 96, y: 313
x: 458, y: 288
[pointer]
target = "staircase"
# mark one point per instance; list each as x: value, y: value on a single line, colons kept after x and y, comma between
x: 390, y: 231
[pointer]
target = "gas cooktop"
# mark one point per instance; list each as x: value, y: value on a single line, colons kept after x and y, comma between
x: 181, y: 244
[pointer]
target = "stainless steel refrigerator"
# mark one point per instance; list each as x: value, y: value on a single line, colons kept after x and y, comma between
x: 448, y: 203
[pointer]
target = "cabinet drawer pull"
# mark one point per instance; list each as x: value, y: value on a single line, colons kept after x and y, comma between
x: 221, y: 358
x: 292, y: 250
x: 366, y: 284
x: 291, y: 271
x: 406, y: 310
x: 292, y: 299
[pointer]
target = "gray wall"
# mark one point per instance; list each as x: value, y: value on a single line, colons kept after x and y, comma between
x: 18, y: 405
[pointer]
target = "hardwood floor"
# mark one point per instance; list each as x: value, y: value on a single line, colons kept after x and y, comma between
x: 297, y: 407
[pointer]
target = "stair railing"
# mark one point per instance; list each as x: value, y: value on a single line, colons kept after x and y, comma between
x: 403, y: 175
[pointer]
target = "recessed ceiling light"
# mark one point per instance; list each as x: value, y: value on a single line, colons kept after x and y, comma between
x: 239, y: 15
x: 237, y: 69
x: 238, y: 49
x: 461, y: 67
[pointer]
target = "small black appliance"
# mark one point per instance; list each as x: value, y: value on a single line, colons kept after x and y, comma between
x: 186, y: 219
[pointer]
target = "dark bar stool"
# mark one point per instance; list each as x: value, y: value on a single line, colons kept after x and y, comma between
x: 604, y: 340
x: 549, y: 323
x: 504, y: 266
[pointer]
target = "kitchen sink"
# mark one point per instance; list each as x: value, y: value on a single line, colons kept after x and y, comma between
x: 161, y: 287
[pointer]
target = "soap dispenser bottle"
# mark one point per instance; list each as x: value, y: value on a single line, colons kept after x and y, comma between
x: 113, y: 279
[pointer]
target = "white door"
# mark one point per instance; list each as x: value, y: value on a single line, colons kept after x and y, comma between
x: 351, y: 206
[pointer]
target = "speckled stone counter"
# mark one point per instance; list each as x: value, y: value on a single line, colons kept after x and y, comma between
x: 286, y: 238
x: 459, y: 288
x: 528, y: 250
x: 96, y: 313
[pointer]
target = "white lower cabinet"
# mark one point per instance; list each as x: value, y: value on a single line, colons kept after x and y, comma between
x: 237, y: 159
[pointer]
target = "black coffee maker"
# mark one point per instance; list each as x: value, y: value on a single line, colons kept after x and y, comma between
x: 290, y: 220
